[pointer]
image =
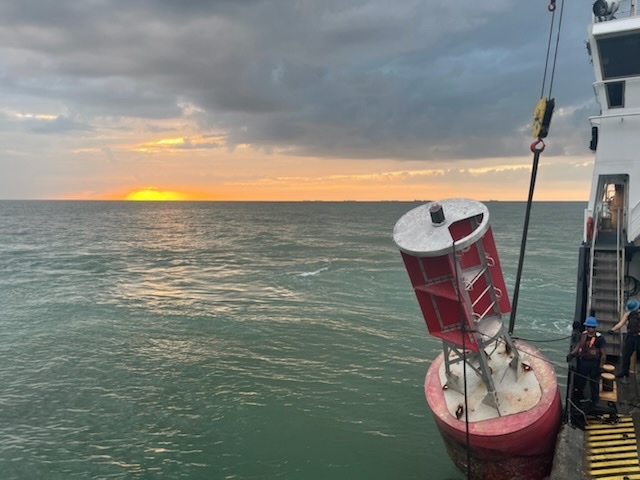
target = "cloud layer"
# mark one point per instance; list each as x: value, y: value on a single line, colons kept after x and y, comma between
x: 351, y: 79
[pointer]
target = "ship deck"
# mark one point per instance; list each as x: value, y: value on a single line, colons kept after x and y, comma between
x: 602, y: 445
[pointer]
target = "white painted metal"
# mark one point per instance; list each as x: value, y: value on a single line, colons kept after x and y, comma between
x: 618, y: 151
x: 516, y: 391
x: 416, y: 234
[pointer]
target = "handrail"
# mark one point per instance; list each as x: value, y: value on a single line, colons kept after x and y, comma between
x: 596, y: 222
x: 619, y: 261
x: 626, y: 113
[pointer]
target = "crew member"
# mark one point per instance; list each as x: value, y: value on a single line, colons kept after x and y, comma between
x: 631, y: 341
x: 591, y: 354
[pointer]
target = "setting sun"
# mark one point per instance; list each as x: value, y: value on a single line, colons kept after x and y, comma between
x: 151, y: 194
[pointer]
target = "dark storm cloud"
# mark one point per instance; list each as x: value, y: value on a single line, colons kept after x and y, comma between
x: 345, y: 78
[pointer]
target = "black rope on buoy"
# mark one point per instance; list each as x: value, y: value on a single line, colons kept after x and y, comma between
x: 463, y: 326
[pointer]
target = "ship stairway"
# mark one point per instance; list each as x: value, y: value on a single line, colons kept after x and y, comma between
x: 611, y: 448
x: 605, y: 295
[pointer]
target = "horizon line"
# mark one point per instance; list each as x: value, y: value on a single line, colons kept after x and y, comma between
x: 269, y: 201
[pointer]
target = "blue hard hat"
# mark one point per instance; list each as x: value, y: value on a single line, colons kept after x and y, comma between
x: 632, y: 305
x: 591, y: 322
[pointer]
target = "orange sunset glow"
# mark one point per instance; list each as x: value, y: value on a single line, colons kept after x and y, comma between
x: 154, y: 195
x: 237, y: 177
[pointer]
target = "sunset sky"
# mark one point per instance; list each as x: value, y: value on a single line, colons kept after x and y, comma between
x: 288, y: 99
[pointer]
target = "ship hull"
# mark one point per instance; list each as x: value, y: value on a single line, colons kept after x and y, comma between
x: 512, y: 446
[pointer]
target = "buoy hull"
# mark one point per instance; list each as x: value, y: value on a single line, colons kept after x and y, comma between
x: 519, y: 445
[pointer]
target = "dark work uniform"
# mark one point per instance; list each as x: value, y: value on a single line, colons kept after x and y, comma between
x: 631, y: 343
x: 589, y: 352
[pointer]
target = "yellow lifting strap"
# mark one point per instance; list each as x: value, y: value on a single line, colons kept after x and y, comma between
x: 542, y: 117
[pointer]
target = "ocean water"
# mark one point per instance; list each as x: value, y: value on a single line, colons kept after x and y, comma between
x: 236, y: 340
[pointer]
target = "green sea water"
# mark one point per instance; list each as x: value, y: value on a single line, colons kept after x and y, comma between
x: 236, y: 340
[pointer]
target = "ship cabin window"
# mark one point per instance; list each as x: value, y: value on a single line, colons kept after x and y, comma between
x: 620, y: 55
x: 615, y: 94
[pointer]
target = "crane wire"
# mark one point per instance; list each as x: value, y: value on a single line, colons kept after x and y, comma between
x: 546, y: 60
x: 555, y: 55
x: 537, y: 148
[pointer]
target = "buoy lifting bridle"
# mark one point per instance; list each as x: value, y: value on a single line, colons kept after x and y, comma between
x: 541, y: 122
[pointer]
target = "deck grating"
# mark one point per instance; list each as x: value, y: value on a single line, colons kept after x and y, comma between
x: 612, y: 450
